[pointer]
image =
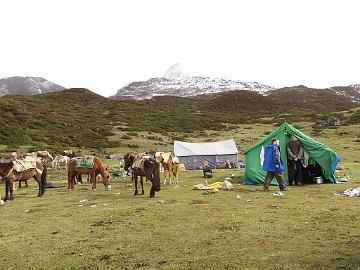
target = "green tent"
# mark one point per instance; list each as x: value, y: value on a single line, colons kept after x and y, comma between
x: 325, y: 157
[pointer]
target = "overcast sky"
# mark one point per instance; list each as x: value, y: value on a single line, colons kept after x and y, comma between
x: 103, y: 45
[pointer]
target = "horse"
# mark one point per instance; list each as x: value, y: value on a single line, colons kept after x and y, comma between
x: 128, y: 161
x: 70, y: 153
x: 98, y: 168
x: 45, y: 155
x: 171, y: 166
x: 150, y: 170
x: 60, y: 160
x: 9, y: 175
x: 42, y: 156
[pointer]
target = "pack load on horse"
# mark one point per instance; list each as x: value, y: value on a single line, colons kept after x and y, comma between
x: 88, y: 165
x: 41, y: 156
x: 22, y: 170
x: 143, y: 165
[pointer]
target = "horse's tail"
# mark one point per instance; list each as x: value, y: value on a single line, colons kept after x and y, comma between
x: 43, y: 180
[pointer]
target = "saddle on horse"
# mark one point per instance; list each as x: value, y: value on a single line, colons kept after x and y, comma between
x: 140, y: 160
x: 85, y: 162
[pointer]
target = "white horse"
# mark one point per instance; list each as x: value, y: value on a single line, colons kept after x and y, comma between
x: 60, y: 161
x: 45, y: 155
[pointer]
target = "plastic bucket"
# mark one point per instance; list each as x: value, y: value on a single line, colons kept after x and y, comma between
x: 319, y: 180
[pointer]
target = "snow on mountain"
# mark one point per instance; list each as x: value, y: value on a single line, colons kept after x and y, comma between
x: 351, y: 91
x: 177, y: 83
x: 27, y: 86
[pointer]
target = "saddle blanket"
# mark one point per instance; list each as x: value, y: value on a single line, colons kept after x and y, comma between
x: 24, y: 164
x: 85, y: 162
x: 139, y: 161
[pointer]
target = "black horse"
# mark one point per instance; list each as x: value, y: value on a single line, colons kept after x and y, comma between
x: 150, y: 170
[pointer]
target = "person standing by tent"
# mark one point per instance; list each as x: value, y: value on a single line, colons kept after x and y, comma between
x: 295, y: 152
x: 273, y: 165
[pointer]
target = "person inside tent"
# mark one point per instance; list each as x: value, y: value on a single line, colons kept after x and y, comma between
x: 295, y: 153
x: 273, y: 165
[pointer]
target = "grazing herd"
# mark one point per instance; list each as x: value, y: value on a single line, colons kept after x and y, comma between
x: 33, y: 166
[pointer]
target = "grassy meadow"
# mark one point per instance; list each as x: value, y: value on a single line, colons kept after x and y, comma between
x: 308, y: 228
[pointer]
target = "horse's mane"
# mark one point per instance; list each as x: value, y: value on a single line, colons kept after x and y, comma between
x: 6, y: 166
x: 103, y: 167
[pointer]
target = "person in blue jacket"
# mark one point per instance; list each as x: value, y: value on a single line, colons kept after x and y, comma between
x: 273, y: 165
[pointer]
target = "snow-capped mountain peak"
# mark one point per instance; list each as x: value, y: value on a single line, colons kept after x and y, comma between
x: 175, y: 82
x: 175, y: 73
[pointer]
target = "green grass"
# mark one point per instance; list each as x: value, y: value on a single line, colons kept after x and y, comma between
x: 307, y: 228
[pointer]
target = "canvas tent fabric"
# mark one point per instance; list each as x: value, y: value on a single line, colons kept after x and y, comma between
x: 323, y: 155
x: 215, y: 153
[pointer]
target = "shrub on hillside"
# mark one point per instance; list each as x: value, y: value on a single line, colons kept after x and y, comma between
x: 125, y: 137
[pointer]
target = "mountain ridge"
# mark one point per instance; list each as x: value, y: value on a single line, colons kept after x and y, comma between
x: 18, y: 85
x: 175, y: 82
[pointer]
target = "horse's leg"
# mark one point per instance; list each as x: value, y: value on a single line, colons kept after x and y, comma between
x: 69, y: 179
x: 37, y: 177
x: 177, y: 176
x: 164, y: 177
x: 7, y: 190
x: 142, y: 185
x: 135, y: 183
x: 170, y: 175
x: 152, y: 191
x: 72, y: 180
x: 26, y: 183
x: 11, y: 186
x: 93, y: 180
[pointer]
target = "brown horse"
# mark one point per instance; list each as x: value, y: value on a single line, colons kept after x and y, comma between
x: 170, y: 164
x: 99, y: 168
x: 71, y: 154
x: 150, y: 170
x: 9, y: 175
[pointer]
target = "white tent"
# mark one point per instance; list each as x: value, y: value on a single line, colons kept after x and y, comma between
x: 215, y: 153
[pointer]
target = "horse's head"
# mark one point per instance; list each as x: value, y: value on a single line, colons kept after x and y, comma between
x: 159, y: 157
x: 128, y: 161
x: 43, y: 154
x: 70, y: 153
x: 5, y: 168
x: 106, y: 179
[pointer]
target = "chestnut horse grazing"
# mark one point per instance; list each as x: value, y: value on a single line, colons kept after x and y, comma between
x: 9, y: 175
x: 98, y: 168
